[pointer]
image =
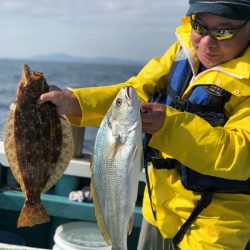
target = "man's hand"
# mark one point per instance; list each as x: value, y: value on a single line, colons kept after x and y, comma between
x: 65, y: 101
x: 152, y: 116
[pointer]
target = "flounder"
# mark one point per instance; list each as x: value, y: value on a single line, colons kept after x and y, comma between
x: 38, y: 144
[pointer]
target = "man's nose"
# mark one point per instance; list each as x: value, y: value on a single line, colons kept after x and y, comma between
x: 209, y: 41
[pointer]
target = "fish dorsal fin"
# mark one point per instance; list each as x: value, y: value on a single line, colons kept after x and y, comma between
x: 130, y: 224
x: 98, y: 214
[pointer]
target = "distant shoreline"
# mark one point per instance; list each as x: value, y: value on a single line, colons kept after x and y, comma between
x: 64, y: 58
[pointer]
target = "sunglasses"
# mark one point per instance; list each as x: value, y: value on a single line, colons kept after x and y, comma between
x: 218, y: 34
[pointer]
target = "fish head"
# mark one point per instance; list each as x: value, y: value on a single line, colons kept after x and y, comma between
x: 32, y: 84
x: 124, y: 113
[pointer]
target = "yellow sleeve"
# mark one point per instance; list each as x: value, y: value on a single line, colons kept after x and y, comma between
x: 95, y: 101
x: 218, y: 151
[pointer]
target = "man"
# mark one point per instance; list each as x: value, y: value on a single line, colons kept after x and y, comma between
x: 198, y: 122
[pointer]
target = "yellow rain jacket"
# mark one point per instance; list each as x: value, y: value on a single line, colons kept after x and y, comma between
x: 217, y: 151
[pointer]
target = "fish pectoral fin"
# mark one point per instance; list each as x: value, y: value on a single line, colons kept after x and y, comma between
x: 131, y: 159
x: 114, y: 148
x: 99, y: 215
x: 130, y: 224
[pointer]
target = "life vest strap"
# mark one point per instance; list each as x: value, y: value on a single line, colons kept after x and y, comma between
x: 160, y: 163
x: 204, y: 201
x: 186, y: 105
x: 149, y: 190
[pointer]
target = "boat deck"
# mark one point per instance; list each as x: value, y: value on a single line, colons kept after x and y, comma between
x: 56, y: 202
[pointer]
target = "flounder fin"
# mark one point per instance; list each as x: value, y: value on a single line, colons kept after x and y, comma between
x: 32, y: 214
x: 99, y: 215
x: 130, y: 224
x: 9, y: 148
x: 57, y: 169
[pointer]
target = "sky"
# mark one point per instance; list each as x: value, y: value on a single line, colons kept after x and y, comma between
x: 124, y: 29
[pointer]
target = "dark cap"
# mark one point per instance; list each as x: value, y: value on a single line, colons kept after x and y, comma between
x: 233, y: 9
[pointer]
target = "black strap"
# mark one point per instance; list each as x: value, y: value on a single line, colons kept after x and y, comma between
x: 149, y: 190
x: 204, y: 201
x: 186, y: 105
x: 147, y: 157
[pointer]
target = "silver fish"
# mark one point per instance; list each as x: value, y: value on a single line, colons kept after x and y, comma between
x: 116, y: 167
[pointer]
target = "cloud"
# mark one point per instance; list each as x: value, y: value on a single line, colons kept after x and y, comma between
x: 88, y: 27
x: 79, y: 8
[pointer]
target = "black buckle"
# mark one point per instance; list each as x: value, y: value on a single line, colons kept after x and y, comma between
x: 181, y: 104
x: 160, y: 163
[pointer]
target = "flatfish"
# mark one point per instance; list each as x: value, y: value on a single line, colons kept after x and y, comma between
x: 38, y: 144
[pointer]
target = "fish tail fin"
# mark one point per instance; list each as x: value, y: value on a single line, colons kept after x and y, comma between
x: 32, y: 214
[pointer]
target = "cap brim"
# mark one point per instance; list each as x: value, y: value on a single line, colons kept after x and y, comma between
x: 216, y: 9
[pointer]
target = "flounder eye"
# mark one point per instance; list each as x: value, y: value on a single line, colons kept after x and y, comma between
x: 118, y: 101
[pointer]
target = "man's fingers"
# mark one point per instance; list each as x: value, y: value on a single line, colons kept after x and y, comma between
x: 43, y: 98
x: 147, y: 106
x: 151, y: 117
x: 50, y: 96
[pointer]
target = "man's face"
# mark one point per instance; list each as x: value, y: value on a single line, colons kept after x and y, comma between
x: 212, y: 52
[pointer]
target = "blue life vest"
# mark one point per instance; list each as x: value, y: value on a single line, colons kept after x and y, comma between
x: 206, y: 101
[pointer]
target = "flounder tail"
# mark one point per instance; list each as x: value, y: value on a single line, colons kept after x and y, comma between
x: 32, y: 214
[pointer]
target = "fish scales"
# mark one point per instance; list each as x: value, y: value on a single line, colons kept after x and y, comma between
x: 116, y: 167
x: 32, y: 137
x: 33, y: 133
x: 38, y: 145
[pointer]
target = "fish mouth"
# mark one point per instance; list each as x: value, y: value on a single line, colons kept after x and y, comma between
x: 128, y: 94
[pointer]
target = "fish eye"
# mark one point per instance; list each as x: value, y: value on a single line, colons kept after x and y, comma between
x: 119, y: 102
